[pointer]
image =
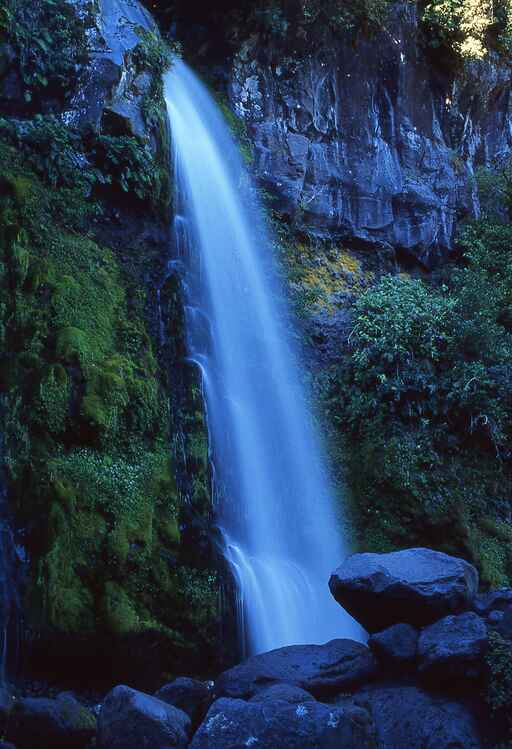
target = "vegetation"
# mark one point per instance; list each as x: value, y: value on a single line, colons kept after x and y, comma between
x: 425, y: 401
x: 47, y: 40
x: 499, y: 686
x: 470, y: 28
x: 88, y: 431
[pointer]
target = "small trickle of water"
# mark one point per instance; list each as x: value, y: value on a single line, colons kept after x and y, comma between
x: 282, y: 534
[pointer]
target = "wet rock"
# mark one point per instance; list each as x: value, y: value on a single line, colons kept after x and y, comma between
x: 452, y: 650
x: 190, y: 695
x: 131, y: 720
x: 284, y: 693
x: 372, y: 141
x: 235, y: 724
x: 58, y: 723
x: 322, y: 670
x: 415, y: 586
x: 395, y: 646
x: 406, y: 717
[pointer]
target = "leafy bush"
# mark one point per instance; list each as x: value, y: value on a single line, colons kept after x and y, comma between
x: 468, y: 27
x: 49, y: 42
x: 499, y: 687
x: 426, y: 400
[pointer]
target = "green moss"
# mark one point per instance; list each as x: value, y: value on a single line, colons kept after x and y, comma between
x: 119, y: 613
x: 88, y: 442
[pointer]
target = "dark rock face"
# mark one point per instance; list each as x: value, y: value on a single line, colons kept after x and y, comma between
x: 370, y: 142
x: 322, y: 670
x: 235, y: 724
x: 409, y: 718
x: 453, y: 649
x: 190, y: 695
x: 110, y: 93
x: 131, y: 720
x: 6, y: 704
x: 62, y: 722
x: 396, y: 645
x: 416, y: 586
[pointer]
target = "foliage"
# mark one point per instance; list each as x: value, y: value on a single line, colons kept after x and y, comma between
x: 469, y: 27
x: 87, y: 435
x: 49, y: 42
x: 425, y: 399
x: 499, y: 686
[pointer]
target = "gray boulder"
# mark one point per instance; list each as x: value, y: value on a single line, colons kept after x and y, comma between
x: 395, y: 646
x: 284, y: 693
x: 322, y: 670
x: 235, y: 724
x: 131, y: 720
x: 409, y: 718
x: 190, y: 695
x: 453, y: 649
x: 416, y: 586
x: 62, y: 723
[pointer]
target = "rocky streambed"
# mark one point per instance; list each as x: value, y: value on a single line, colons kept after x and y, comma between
x: 434, y: 675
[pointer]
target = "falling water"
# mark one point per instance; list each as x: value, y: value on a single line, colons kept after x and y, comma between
x: 281, y: 535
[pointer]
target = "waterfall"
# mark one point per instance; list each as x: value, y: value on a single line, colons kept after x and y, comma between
x: 282, y: 535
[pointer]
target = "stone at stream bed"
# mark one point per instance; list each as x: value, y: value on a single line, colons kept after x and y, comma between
x: 416, y: 586
x: 396, y: 645
x: 322, y: 670
x: 452, y: 650
x: 62, y: 723
x: 284, y: 693
x: 409, y: 718
x: 190, y: 695
x: 235, y: 724
x: 132, y: 720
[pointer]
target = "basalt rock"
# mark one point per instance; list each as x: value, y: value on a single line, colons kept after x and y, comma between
x: 371, y: 141
x: 62, y: 723
x: 452, y: 650
x: 415, y: 586
x: 322, y: 670
x: 395, y: 646
x: 131, y: 720
x: 190, y: 695
x: 284, y: 693
x: 235, y: 724
x: 409, y: 718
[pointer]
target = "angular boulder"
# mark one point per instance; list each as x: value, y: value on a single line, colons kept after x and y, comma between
x: 130, y: 720
x: 62, y: 723
x: 284, y: 693
x: 322, y: 670
x: 406, y: 717
x: 415, y: 586
x: 190, y: 695
x: 235, y: 724
x: 395, y: 646
x: 453, y: 649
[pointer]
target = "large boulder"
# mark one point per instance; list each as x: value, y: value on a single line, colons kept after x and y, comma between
x: 416, y: 586
x: 322, y: 670
x: 395, y: 646
x: 235, y: 724
x: 61, y: 723
x: 409, y: 718
x: 131, y: 720
x: 190, y: 695
x: 284, y: 693
x: 453, y: 649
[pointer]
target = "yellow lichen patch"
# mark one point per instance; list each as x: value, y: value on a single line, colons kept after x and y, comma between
x: 322, y: 276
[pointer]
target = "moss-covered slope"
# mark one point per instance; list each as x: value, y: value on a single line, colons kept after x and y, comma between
x: 88, y: 441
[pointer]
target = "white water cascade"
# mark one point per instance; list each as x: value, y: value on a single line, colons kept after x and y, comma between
x: 281, y: 533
